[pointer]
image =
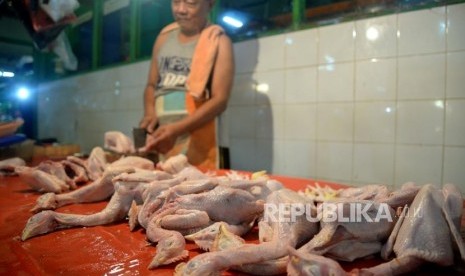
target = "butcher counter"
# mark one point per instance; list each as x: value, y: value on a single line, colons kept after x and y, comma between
x: 109, y: 249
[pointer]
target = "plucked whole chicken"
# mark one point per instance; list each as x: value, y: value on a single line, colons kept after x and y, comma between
x: 303, y: 232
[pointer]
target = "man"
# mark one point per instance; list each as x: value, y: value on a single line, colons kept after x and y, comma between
x: 185, y: 120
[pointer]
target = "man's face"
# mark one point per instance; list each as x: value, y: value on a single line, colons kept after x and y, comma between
x: 191, y: 15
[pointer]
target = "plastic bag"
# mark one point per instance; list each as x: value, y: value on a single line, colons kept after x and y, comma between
x: 62, y: 49
x: 58, y: 9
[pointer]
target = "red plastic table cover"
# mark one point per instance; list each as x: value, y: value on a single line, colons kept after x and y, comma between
x: 107, y: 249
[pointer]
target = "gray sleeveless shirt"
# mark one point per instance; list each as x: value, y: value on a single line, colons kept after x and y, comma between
x: 174, y: 62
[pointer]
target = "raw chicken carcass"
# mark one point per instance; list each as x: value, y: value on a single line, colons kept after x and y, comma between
x: 76, y: 169
x: 426, y: 232
x: 401, y: 197
x: 57, y: 169
x: 48, y: 221
x: 174, y: 164
x: 127, y: 187
x: 96, y: 163
x: 280, y: 233
x: 118, y: 142
x: 40, y: 180
x: 344, y: 236
x: 155, y: 196
x: 190, y: 213
x: 7, y: 166
x: 98, y: 190
x: 132, y: 162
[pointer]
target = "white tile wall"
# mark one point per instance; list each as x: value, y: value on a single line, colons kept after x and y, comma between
x: 301, y: 48
x: 244, y: 156
x: 135, y: 74
x: 243, y: 92
x: 455, y: 125
x: 299, y: 158
x: 416, y: 74
x: 335, y: 161
x: 420, y: 122
x: 455, y: 74
x: 242, y: 124
x: 335, y: 122
x: 376, y: 37
x: 374, y: 164
x: 269, y: 156
x: 103, y: 80
x: 422, y: 32
x: 376, y: 79
x: 340, y: 90
x: 270, y: 53
x: 269, y: 121
x: 305, y: 115
x: 54, y: 98
x: 86, y: 106
x: 420, y: 164
x: 454, y: 158
x: 378, y: 100
x: 247, y: 60
x: 456, y: 31
x: 126, y: 97
x: 375, y: 122
x: 273, y: 83
x: 301, y: 85
x: 336, y: 43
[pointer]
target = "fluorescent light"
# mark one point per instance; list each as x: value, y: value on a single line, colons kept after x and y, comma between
x: 7, y: 74
x: 232, y: 21
x: 23, y: 93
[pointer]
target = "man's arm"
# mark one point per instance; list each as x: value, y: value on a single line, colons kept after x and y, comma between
x: 222, y: 80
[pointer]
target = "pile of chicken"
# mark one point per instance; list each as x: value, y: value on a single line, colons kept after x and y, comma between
x: 175, y: 202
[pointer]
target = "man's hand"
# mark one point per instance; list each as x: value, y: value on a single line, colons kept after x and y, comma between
x: 162, y: 139
x: 149, y: 123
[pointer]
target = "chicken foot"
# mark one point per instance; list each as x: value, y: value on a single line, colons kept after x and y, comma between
x: 170, y: 248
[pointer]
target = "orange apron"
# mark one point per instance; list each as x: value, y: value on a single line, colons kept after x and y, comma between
x: 200, y: 146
